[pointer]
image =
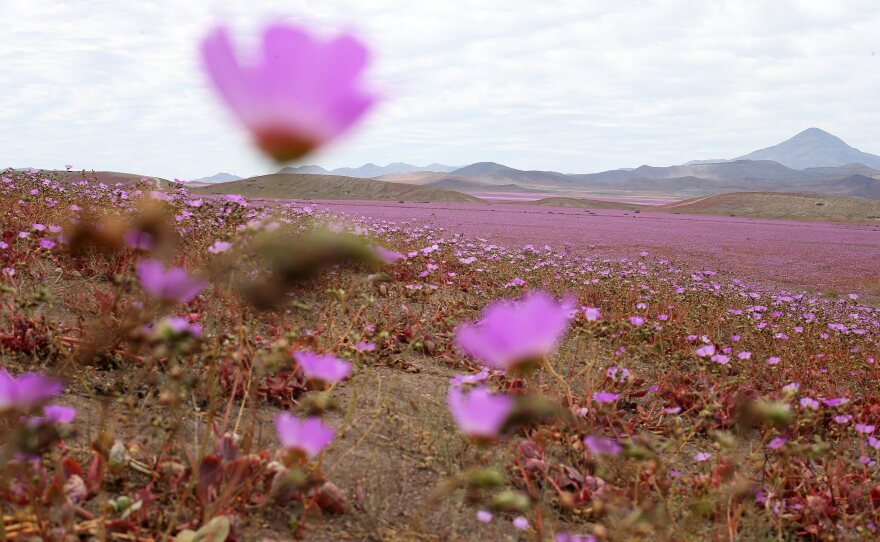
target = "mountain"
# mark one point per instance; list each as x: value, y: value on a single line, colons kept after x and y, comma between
x: 313, y: 170
x: 814, y: 148
x: 216, y: 178
x: 330, y: 187
x: 370, y: 170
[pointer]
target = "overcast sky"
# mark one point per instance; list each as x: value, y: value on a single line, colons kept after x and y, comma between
x: 573, y: 86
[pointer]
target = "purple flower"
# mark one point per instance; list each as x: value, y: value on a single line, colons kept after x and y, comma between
x: 636, y: 320
x: 173, y: 284
x: 773, y: 360
x: 300, y: 93
x: 179, y: 326
x: 56, y: 414
x: 592, y: 314
x: 308, y: 436
x: 219, y: 246
x: 138, y: 240
x: 809, y: 402
x: 26, y: 391
x: 842, y: 419
x: 364, y: 346
x: 721, y: 358
x: 510, y: 335
x: 521, y: 523
x: 699, y: 457
x: 484, y: 516
x: 706, y: 351
x: 565, y: 537
x: 865, y: 429
x: 387, y: 256
x: 326, y: 368
x: 777, y: 443
x: 605, y: 397
x: 602, y: 445
x: 479, y: 413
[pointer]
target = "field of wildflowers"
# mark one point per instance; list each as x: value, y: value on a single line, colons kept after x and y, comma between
x: 209, y: 369
x: 174, y: 364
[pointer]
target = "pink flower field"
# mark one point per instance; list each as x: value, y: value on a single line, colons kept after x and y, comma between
x: 181, y: 367
x: 817, y: 256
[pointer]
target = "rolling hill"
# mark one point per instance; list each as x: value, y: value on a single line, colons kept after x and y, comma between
x: 779, y: 205
x: 330, y: 187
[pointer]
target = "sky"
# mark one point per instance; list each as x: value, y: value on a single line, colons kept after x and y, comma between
x: 567, y: 85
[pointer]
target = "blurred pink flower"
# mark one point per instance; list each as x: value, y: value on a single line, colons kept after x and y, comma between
x: 605, y: 397
x: 483, y: 516
x: 173, y: 284
x: 324, y: 368
x: 592, y: 314
x: 510, y: 334
x: 478, y: 413
x: 301, y: 91
x: 602, y: 445
x: 777, y: 443
x: 26, y: 391
x: 520, y: 523
x: 55, y: 414
x: 308, y: 436
x: 219, y: 246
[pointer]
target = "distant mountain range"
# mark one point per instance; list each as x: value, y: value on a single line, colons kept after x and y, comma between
x: 812, y: 161
x: 370, y: 170
x: 216, y: 178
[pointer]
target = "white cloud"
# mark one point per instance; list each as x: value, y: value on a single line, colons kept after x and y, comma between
x: 565, y: 85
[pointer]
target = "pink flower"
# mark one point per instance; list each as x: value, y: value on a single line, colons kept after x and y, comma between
x: 219, y: 246
x: 388, y: 256
x: 864, y: 428
x: 173, y: 284
x: 364, y: 346
x: 484, y: 516
x: 605, y: 397
x: 479, y: 414
x: 777, y: 443
x: 520, y: 523
x: 565, y: 537
x: 699, y: 457
x: 510, y: 335
x: 300, y: 92
x: 308, y: 436
x: 706, y: 351
x: 721, y: 359
x: 26, y: 391
x: 602, y: 445
x: 55, y: 414
x: 636, y: 320
x: 326, y: 368
x: 809, y: 402
x: 773, y: 360
x: 592, y: 314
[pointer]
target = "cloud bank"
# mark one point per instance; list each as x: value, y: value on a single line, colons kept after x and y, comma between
x: 566, y: 85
